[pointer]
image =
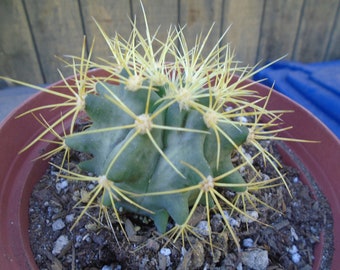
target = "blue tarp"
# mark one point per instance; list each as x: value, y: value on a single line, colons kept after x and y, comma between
x: 315, y: 86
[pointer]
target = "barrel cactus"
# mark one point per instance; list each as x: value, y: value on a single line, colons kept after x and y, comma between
x: 145, y: 143
x: 165, y: 122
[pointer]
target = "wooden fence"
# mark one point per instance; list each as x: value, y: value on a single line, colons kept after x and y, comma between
x: 32, y: 32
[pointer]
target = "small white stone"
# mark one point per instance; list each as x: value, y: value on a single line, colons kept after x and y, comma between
x: 296, y: 257
x: 233, y: 222
x: 61, y: 242
x: 58, y: 225
x: 251, y: 217
x: 91, y: 186
x: 256, y: 259
x: 202, y: 228
x: 248, y: 242
x: 293, y: 250
x: 79, y: 238
x: 69, y: 218
x: 62, y: 184
x: 165, y: 251
x: 242, y: 119
x: 265, y: 177
x: 293, y: 233
x: 296, y: 179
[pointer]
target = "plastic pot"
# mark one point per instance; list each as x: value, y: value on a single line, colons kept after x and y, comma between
x: 19, y: 172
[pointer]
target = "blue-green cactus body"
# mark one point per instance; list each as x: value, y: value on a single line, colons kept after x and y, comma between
x: 182, y: 147
x: 237, y: 136
x: 131, y: 160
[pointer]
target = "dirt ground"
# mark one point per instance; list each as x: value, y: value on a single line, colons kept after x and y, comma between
x: 286, y: 242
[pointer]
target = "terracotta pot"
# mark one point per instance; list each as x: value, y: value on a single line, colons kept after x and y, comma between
x: 18, y: 173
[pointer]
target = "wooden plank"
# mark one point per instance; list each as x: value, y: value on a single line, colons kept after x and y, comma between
x: 161, y: 14
x: 112, y: 16
x: 57, y: 30
x: 199, y: 16
x: 315, y: 30
x: 279, y: 29
x: 18, y: 58
x: 244, y: 16
x: 333, y: 51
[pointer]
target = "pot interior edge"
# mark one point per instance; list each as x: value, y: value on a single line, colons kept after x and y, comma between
x: 323, y: 251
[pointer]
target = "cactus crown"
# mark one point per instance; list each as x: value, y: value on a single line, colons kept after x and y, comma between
x: 161, y: 137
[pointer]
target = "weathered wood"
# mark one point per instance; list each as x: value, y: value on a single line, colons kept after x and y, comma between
x: 161, y: 14
x: 333, y: 51
x: 18, y: 58
x: 279, y: 29
x: 57, y: 30
x: 112, y: 16
x: 244, y: 19
x: 32, y: 32
x: 315, y: 29
x: 198, y: 16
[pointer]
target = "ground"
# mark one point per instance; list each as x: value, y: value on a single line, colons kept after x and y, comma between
x: 282, y: 239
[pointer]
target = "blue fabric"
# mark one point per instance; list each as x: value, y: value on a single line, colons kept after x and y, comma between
x: 315, y: 86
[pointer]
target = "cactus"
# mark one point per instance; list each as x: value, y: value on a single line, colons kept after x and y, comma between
x: 161, y: 138
x: 143, y: 144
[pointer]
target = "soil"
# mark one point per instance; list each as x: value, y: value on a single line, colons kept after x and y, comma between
x: 285, y: 242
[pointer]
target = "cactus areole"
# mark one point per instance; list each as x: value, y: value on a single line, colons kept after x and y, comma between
x: 143, y: 143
